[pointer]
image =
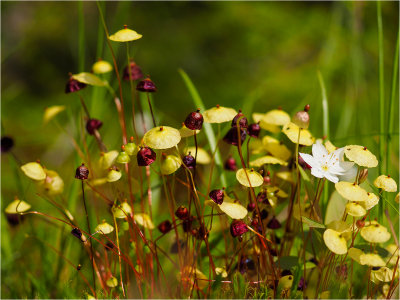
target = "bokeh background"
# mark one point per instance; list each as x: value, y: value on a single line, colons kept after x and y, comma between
x: 250, y: 55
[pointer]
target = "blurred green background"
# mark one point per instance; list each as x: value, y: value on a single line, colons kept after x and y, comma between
x: 251, y: 55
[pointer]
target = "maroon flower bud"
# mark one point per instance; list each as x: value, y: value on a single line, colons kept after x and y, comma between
x: 264, y: 214
x: 302, y: 284
x: 274, y: 224
x: 217, y: 196
x: 251, y: 206
x: 6, y: 144
x: 109, y: 246
x: 261, y: 196
x: 230, y: 164
x: 146, y: 86
x: 145, y: 156
x: 182, y: 213
x: 189, y: 161
x: 360, y: 223
x: 267, y: 179
x: 82, y: 172
x: 238, y: 228
x: 77, y: 233
x: 165, y: 226
x: 254, y: 130
x: 135, y: 71
x: 14, y: 219
x: 232, y: 136
x: 187, y: 224
x: 303, y: 164
x: 92, y: 125
x: 307, y: 108
x: 194, y: 120
x: 73, y: 86
x: 242, y: 121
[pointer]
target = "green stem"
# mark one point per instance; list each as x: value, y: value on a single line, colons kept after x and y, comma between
x: 381, y: 98
x: 81, y: 37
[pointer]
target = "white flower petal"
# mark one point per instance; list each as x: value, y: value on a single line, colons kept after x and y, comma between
x: 319, y: 152
x: 316, y: 172
x: 309, y: 160
x: 331, y: 177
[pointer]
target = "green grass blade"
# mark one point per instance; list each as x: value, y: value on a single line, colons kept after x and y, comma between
x: 81, y: 37
x: 392, y: 101
x: 381, y: 99
x: 207, y: 127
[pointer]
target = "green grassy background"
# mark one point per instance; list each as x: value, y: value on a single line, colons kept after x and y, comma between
x: 251, y: 55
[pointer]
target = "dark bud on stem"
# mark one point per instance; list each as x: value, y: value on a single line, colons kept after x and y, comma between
x: 246, y: 264
x: 302, y: 284
x: 264, y: 214
x: 82, y: 172
x: 217, y: 196
x: 146, y: 86
x: 77, y: 233
x: 165, y: 226
x: 182, y: 213
x: 136, y: 72
x: 187, y: 224
x: 360, y: 223
x: 189, y: 161
x: 242, y: 122
x: 307, y: 108
x: 261, y: 196
x: 230, y: 164
x: 145, y: 157
x: 194, y: 120
x: 286, y: 273
x: 254, y: 130
x: 73, y: 86
x: 6, y: 144
x: 303, y: 164
x: 238, y: 228
x: 92, y: 125
x: 274, y: 224
x: 232, y: 136
x: 302, y: 118
x: 251, y: 206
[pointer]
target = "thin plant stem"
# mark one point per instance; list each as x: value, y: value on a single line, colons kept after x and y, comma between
x: 381, y: 99
x: 151, y: 109
x: 89, y: 230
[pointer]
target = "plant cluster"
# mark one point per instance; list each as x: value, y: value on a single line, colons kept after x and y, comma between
x: 220, y: 207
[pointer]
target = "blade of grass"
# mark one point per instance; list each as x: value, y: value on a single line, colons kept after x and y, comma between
x: 81, y: 37
x: 207, y: 127
x: 391, y: 103
x: 326, y: 132
x: 381, y: 99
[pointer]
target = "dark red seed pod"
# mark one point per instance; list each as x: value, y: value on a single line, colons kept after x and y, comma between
x: 217, y: 196
x: 189, y: 161
x: 238, y: 228
x: 165, y: 226
x: 14, y: 219
x: 146, y: 86
x: 251, y: 206
x: 274, y: 224
x: 6, y: 144
x: 261, y: 196
x: 187, y: 224
x: 73, y: 86
x: 303, y: 164
x: 82, y: 172
x: 77, y: 233
x: 242, y: 122
x: 254, y: 130
x: 145, y: 156
x: 360, y: 223
x: 109, y: 246
x: 264, y: 214
x: 92, y: 125
x: 182, y: 212
x: 307, y: 108
x: 135, y: 70
x: 232, y: 136
x: 230, y: 164
x: 194, y: 120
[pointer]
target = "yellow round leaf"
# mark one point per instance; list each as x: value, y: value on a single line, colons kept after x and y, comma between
x: 17, y: 206
x: 335, y: 242
x: 144, y: 220
x: 249, y: 177
x: 292, y: 132
x: 186, y: 132
x: 276, y: 148
x: 108, y: 159
x: 361, y: 156
x: 34, y: 171
x: 268, y: 159
x: 51, y: 112
x: 101, y: 67
x: 113, y: 175
x: 371, y: 201
x: 373, y: 232
x: 122, y: 211
x: 387, y: 183
x: 351, y: 191
x: 125, y: 35
x: 112, y: 282
x: 203, y: 157
x: 104, y: 227
x: 89, y: 78
x: 170, y: 164
x: 276, y: 117
x: 355, y: 209
x: 162, y: 137
x: 219, y: 114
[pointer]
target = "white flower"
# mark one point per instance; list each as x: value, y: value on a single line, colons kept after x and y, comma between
x: 327, y: 165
